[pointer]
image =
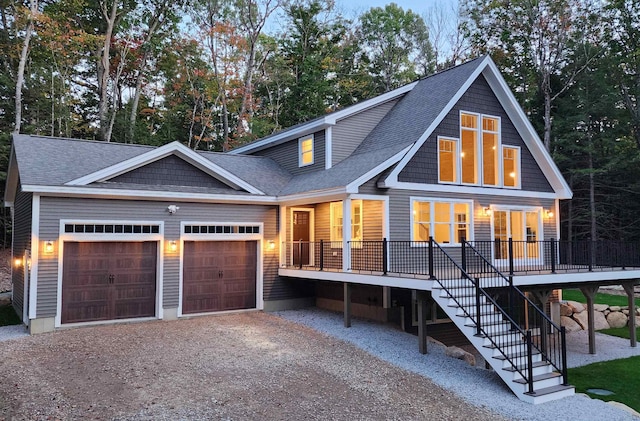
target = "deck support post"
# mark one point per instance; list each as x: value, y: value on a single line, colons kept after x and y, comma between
x: 629, y: 289
x: 347, y: 304
x: 421, y: 297
x: 590, y: 293
x: 543, y: 296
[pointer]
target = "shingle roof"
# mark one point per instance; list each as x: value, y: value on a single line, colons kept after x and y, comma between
x: 54, y: 161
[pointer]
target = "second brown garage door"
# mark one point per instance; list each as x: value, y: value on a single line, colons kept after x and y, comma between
x: 218, y: 276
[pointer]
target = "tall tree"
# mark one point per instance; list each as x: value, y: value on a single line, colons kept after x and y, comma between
x: 397, y: 44
x: 30, y: 15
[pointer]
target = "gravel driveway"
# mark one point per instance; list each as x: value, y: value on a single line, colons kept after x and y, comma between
x: 239, y: 366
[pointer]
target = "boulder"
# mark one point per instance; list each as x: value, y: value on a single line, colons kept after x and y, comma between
x: 625, y: 311
x: 565, y: 310
x: 576, y: 307
x: 637, y: 321
x: 615, y: 308
x: 582, y: 319
x: 461, y: 354
x: 600, y: 322
x: 569, y: 324
x: 617, y: 319
x: 600, y: 307
x: 606, y: 312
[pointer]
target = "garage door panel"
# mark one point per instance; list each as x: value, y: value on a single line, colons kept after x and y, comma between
x: 108, y: 280
x: 219, y: 275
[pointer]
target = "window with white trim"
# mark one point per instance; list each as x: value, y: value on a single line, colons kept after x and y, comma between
x: 469, y: 148
x: 336, y: 217
x: 511, y: 166
x: 490, y: 149
x: 305, y: 151
x: 447, y: 222
x: 447, y: 160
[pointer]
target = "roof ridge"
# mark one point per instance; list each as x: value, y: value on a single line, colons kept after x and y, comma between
x: 94, y: 141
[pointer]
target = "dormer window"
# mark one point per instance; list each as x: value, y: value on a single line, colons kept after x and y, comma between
x: 305, y: 151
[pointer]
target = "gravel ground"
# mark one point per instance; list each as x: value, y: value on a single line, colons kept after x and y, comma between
x: 232, y: 367
x: 479, y: 386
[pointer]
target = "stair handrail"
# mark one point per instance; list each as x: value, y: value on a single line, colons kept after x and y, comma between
x: 542, y: 349
x: 482, y: 330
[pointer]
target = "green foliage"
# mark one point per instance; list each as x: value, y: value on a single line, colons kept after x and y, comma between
x: 619, y: 376
x: 620, y: 332
x: 600, y: 298
x: 397, y: 46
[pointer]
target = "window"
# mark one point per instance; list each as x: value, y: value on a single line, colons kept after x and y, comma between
x: 448, y: 160
x: 490, y: 146
x: 337, y: 222
x: 305, y: 148
x: 511, y: 166
x: 469, y: 134
x: 447, y: 222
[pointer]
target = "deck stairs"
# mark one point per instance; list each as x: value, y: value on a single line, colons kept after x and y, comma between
x: 499, y: 339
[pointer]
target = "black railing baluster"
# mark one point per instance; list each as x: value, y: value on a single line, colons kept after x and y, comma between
x: 478, y: 314
x: 431, y: 274
x: 321, y: 254
x: 530, y: 361
x: 553, y: 255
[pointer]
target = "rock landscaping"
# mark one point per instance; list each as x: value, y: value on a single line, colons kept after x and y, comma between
x: 574, y: 316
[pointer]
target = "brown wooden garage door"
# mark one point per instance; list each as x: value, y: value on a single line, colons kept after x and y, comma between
x: 219, y: 275
x: 108, y: 280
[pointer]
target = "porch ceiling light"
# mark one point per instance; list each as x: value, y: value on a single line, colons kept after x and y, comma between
x: 487, y: 211
x: 48, y: 247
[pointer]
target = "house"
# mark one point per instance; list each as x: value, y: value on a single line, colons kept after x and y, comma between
x: 451, y: 200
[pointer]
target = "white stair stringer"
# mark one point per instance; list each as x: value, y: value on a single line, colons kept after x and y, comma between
x: 547, y: 382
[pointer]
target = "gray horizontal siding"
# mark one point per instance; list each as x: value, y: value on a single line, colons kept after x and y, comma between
x: 22, y: 211
x: 54, y: 209
x: 171, y: 171
x: 286, y: 155
x: 479, y: 98
x: 349, y: 132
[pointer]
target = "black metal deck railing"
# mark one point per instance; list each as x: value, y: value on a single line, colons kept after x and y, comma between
x: 511, y: 257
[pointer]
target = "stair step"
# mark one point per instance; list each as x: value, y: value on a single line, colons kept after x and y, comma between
x: 516, y: 355
x: 540, y: 377
x: 524, y: 366
x: 504, y: 344
x: 549, y: 390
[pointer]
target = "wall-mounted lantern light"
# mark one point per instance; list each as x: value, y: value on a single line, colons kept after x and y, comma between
x: 548, y: 213
x: 486, y: 211
x: 271, y: 245
x: 48, y: 247
x: 173, y: 246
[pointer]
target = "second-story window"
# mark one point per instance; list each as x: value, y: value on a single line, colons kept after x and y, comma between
x: 469, y: 148
x: 305, y: 151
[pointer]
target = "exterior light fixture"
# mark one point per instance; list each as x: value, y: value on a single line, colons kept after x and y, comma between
x: 487, y: 211
x: 48, y: 247
x: 548, y: 213
x: 172, y: 209
x: 17, y: 262
x: 173, y: 246
x: 271, y: 245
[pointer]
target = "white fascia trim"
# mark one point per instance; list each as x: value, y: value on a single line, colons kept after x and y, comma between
x: 355, y: 184
x: 526, y: 130
x: 328, y: 195
x: 485, y: 191
x: 393, y: 177
x: 328, y: 148
x: 35, y: 256
x: 146, y: 195
x: 569, y: 278
x: 327, y: 121
x: 159, y: 153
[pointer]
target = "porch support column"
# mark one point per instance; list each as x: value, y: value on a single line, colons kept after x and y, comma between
x: 590, y: 293
x: 347, y: 304
x: 629, y: 289
x: 346, y: 234
x: 543, y: 295
x: 421, y: 297
x: 282, y: 235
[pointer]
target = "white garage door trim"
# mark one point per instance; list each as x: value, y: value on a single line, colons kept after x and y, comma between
x: 110, y: 237
x: 235, y: 235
